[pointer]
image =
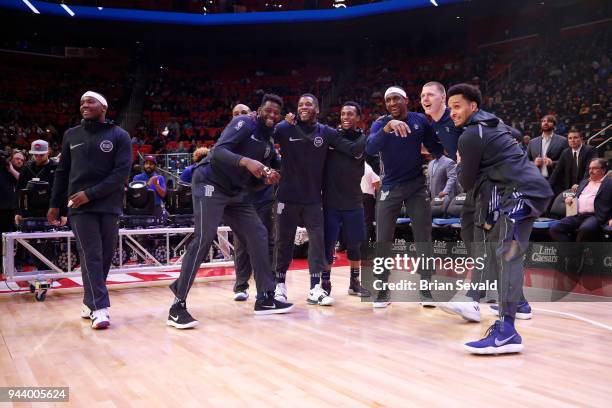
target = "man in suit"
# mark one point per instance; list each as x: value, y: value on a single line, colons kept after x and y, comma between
x: 594, y: 198
x: 571, y: 168
x: 442, y: 178
x: 546, y: 149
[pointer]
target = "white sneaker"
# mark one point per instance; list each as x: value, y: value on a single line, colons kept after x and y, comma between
x: 100, y: 319
x: 85, y: 311
x: 280, y: 293
x: 241, y: 296
x: 319, y: 296
x: 470, y: 311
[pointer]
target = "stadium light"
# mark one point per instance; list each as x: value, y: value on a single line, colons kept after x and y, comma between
x: 65, y: 7
x: 31, y: 6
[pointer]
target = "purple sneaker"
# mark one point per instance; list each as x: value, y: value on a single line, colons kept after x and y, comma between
x: 500, y: 338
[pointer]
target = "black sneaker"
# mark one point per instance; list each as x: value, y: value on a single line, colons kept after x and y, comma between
x: 326, y: 286
x: 383, y: 299
x: 355, y: 289
x: 180, y: 318
x: 427, y: 299
x: 269, y: 305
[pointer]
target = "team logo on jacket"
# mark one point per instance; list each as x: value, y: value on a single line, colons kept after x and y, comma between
x: 267, y: 153
x: 239, y: 125
x: 106, y: 146
x: 416, y: 125
x: 318, y: 141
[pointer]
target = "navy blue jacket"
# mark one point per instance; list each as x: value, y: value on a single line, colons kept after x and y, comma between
x: 96, y: 158
x: 303, y: 155
x: 242, y: 137
x: 401, y: 156
x: 448, y: 134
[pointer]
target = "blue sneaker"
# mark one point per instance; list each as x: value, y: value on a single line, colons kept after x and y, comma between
x: 500, y: 338
x: 523, y: 311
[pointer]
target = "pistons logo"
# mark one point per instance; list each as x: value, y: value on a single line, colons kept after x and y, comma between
x: 318, y: 141
x: 106, y: 146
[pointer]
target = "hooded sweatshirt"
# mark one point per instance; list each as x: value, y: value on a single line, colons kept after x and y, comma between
x: 490, y: 155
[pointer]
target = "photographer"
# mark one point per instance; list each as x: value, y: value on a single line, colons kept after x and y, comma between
x: 40, y: 168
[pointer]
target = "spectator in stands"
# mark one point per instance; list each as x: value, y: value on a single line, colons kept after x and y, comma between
x: 40, y: 168
x: 572, y: 168
x: 525, y: 142
x: 155, y: 182
x: 546, y: 149
x: 594, y: 200
x: 198, y: 155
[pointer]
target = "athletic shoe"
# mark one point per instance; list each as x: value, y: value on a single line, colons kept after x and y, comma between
x: 383, y: 299
x: 500, y: 338
x: 319, y: 296
x: 85, y: 311
x: 280, y: 293
x: 270, y: 305
x: 180, y: 318
x: 241, y: 296
x: 523, y: 311
x: 470, y: 311
x: 100, y: 319
x: 427, y: 299
x: 326, y: 285
x: 355, y: 289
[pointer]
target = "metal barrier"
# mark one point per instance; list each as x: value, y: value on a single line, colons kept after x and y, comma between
x: 170, y: 262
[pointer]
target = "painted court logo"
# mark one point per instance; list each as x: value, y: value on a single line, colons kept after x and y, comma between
x: 318, y: 141
x: 106, y: 146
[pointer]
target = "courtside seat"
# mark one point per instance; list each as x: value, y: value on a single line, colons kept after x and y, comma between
x: 557, y: 211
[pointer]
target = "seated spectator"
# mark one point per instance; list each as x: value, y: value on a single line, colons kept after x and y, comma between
x: 594, y: 200
x: 155, y: 182
x: 442, y: 178
x: 571, y: 167
x: 198, y: 155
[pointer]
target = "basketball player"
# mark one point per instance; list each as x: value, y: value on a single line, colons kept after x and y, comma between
x: 304, y: 147
x: 488, y: 154
x: 343, y: 199
x: 219, y: 186
x: 95, y: 163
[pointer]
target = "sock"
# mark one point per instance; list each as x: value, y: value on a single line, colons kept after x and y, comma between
x: 315, y: 279
x: 355, y: 273
x: 325, y: 275
x: 509, y: 319
x: 280, y: 277
x: 177, y: 300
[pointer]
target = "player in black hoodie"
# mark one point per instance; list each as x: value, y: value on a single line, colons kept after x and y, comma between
x: 510, y: 194
x: 94, y: 165
x: 343, y: 199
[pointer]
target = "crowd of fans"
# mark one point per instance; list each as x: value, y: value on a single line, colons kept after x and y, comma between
x: 187, y: 103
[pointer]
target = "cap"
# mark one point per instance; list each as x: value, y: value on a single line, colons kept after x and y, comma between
x: 39, y: 147
x: 150, y: 158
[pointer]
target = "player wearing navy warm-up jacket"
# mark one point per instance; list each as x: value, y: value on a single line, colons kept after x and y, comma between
x: 397, y: 138
x: 220, y: 183
x: 303, y: 153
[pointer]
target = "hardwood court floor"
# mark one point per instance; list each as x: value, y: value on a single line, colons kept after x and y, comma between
x: 344, y: 356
